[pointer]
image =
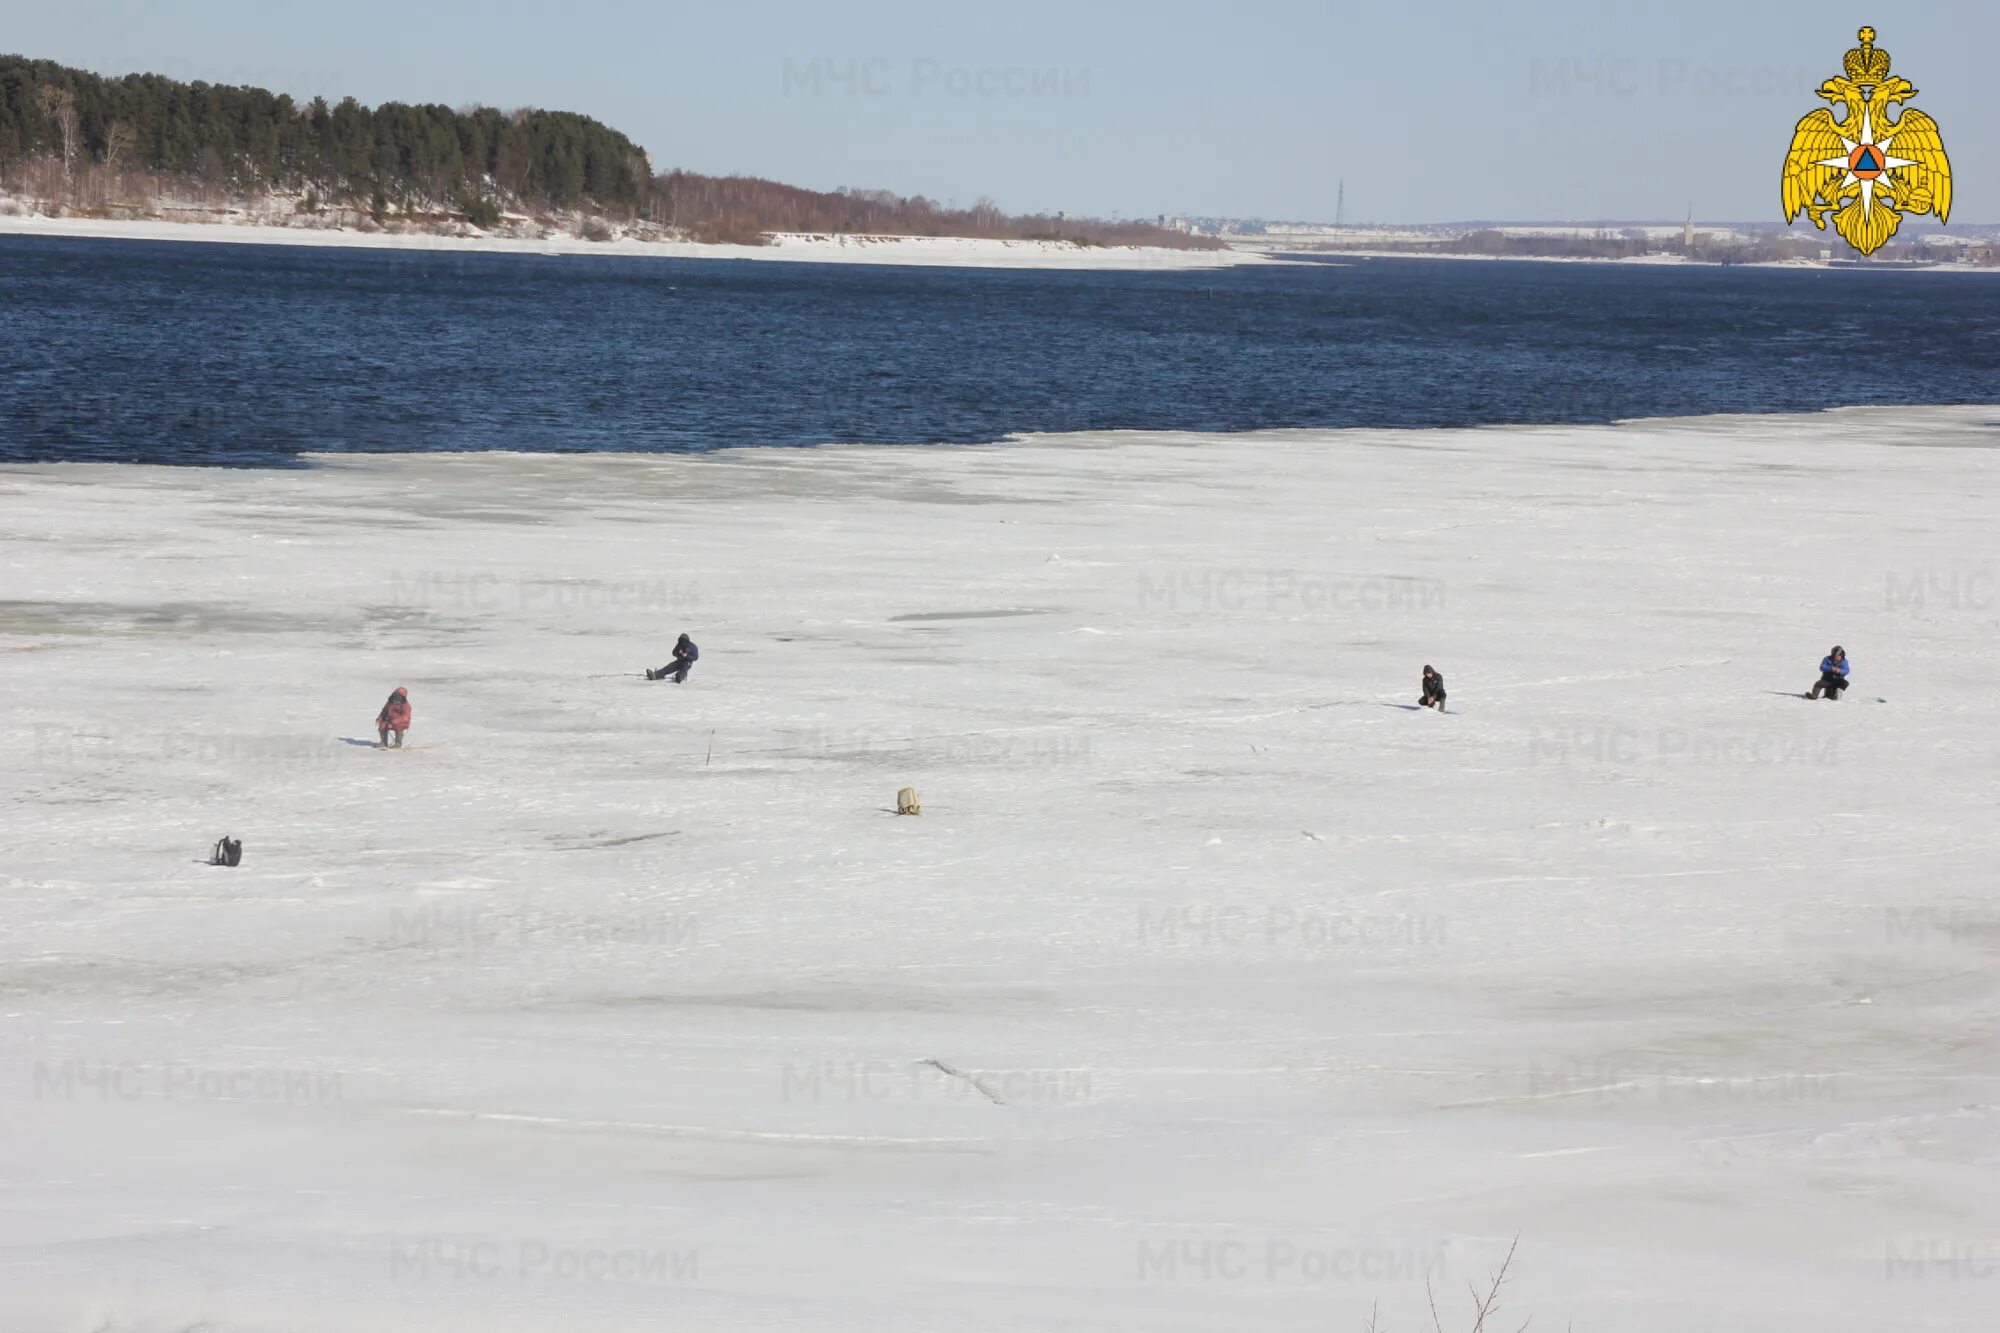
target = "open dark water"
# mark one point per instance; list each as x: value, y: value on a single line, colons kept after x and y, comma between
x: 250, y: 355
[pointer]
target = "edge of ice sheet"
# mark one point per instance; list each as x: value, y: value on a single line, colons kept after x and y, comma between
x: 917, y: 251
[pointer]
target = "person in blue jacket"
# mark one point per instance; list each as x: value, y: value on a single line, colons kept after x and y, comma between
x: 685, y: 656
x: 1832, y: 675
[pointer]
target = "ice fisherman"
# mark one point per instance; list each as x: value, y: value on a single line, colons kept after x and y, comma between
x: 685, y: 656
x: 394, y: 717
x: 1832, y: 675
x: 1433, y: 696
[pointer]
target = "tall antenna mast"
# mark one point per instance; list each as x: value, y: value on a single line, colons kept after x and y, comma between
x: 1340, y: 205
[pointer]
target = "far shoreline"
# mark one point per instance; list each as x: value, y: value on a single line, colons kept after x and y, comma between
x: 889, y: 251
x: 1334, y: 258
x: 904, y: 251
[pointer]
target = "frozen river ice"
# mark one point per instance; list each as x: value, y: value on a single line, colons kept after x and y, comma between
x: 1215, y: 987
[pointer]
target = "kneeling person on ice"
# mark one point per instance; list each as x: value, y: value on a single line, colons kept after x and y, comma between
x: 685, y: 656
x: 1433, y: 696
x: 1832, y: 674
x: 395, y: 716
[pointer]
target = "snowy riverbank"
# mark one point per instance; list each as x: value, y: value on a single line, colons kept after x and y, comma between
x: 922, y: 251
x: 1254, y: 992
x: 1326, y: 256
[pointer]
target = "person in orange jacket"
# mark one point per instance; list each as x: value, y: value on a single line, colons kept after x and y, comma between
x: 395, y: 716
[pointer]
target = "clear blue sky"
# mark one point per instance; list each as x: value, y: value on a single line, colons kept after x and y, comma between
x: 1571, y: 109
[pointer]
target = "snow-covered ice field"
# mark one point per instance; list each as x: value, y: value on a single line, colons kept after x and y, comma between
x: 1265, y: 993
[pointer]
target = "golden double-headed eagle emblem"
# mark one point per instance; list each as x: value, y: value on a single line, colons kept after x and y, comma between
x: 1863, y: 168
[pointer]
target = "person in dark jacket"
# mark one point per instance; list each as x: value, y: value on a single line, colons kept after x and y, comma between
x: 1433, y: 690
x: 394, y: 717
x: 1832, y: 675
x: 685, y: 656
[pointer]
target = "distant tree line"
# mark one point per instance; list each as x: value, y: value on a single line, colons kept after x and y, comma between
x: 252, y: 140
x: 81, y: 140
x: 742, y: 208
x: 1630, y: 243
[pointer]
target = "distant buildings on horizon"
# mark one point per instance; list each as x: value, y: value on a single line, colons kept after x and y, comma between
x: 1958, y: 233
